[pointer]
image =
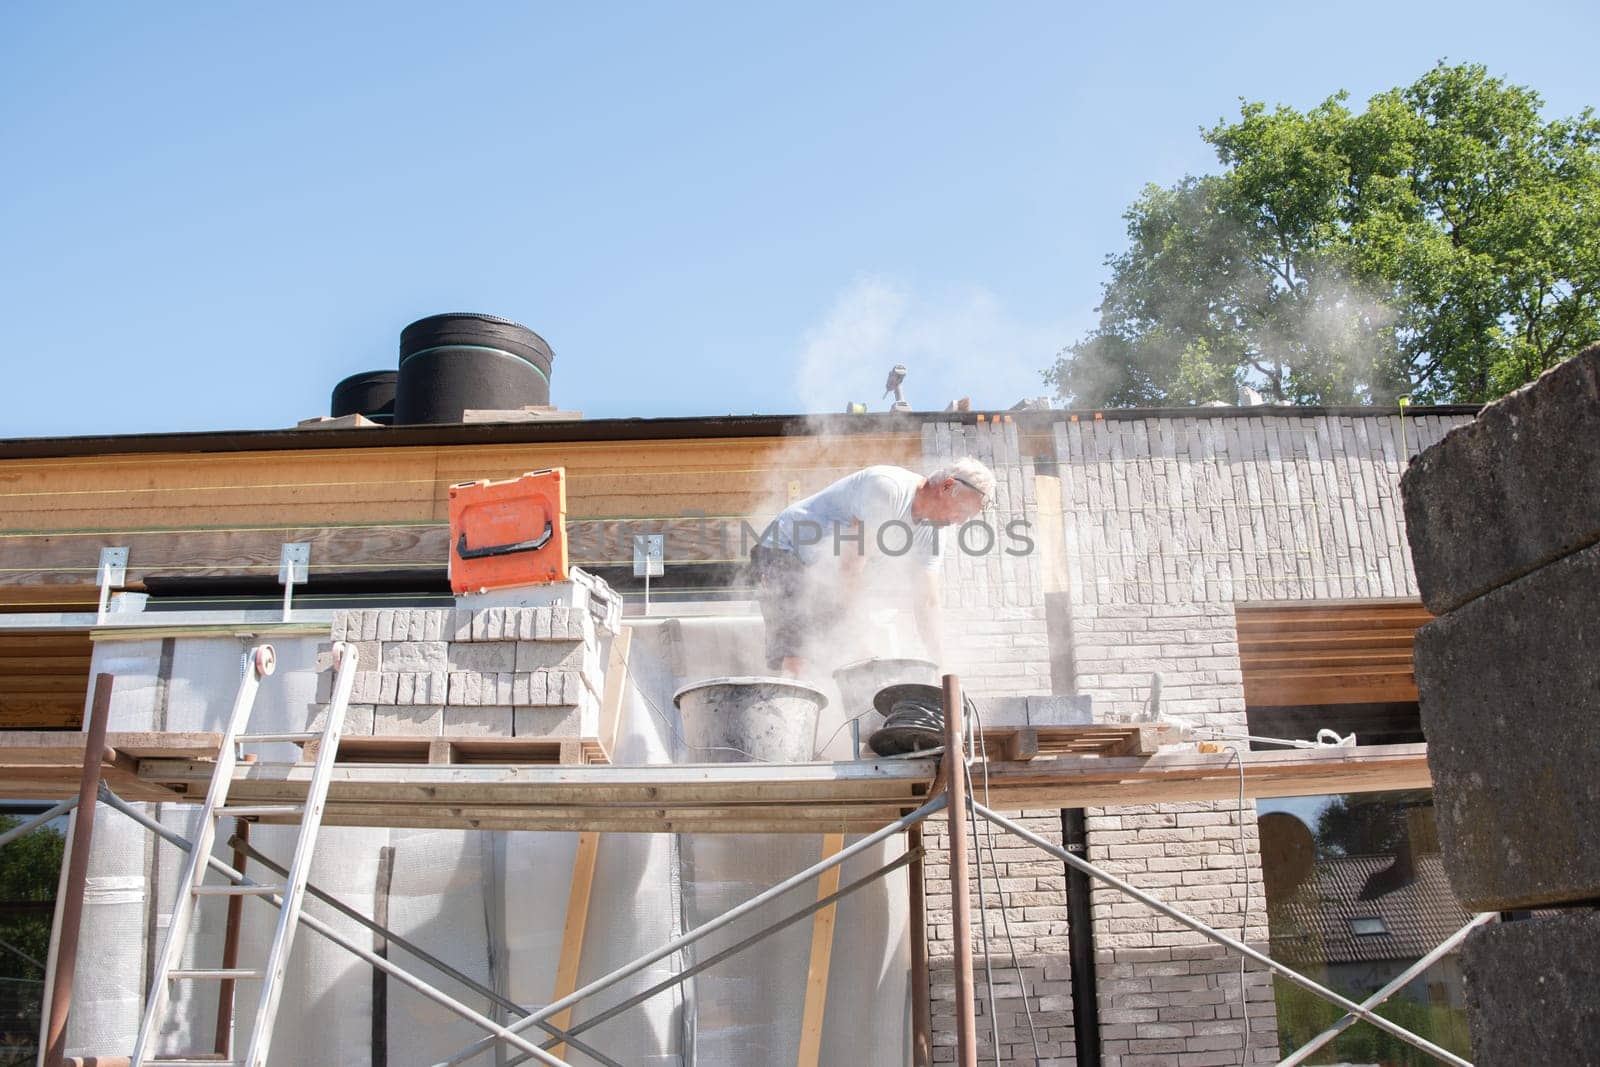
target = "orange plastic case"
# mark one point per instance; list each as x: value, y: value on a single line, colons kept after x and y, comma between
x: 508, y: 533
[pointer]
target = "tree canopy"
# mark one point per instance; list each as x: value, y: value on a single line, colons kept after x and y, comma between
x: 1442, y: 244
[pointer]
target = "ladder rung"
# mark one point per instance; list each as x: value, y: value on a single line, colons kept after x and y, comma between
x: 237, y: 890
x: 246, y: 810
x: 192, y: 1063
x: 261, y: 739
x: 216, y: 972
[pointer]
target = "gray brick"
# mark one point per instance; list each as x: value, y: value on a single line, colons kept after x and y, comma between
x: 484, y: 721
x: 538, y: 689
x: 434, y: 623
x: 365, y: 688
x: 553, y: 721
x: 480, y: 624
x: 416, y: 627
x: 412, y: 720
x: 462, y: 625
x: 369, y: 625
x: 1511, y: 492
x: 542, y: 623
x: 385, y: 630
x: 1531, y: 991
x: 415, y: 655
x: 1510, y: 693
x: 388, y: 686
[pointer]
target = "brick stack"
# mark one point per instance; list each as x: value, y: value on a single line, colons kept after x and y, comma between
x: 483, y: 672
x: 1504, y: 519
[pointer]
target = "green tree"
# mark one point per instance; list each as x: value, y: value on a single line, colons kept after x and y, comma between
x: 1443, y: 243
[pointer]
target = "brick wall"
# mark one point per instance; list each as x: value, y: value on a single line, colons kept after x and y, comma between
x: 1165, y: 523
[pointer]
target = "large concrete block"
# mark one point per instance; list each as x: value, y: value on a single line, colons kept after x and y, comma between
x: 1531, y: 992
x: 414, y: 720
x: 484, y: 658
x: 1510, y: 692
x: 478, y: 722
x: 414, y: 655
x: 1510, y: 492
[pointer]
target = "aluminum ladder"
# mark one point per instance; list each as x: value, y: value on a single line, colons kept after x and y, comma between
x: 288, y: 896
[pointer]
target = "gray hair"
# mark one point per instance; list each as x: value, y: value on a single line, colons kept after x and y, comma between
x: 970, y: 472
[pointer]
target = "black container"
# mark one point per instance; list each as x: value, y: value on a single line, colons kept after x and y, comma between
x: 450, y: 364
x: 370, y: 393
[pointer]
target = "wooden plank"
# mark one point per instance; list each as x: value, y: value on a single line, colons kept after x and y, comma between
x: 53, y: 746
x: 616, y: 686
x: 1021, y: 745
x: 577, y: 922
x: 821, y: 955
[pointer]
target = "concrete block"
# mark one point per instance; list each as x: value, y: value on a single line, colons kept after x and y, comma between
x: 1531, y: 991
x: 526, y: 623
x: 385, y: 631
x: 416, y: 624
x: 542, y: 623
x: 485, y: 721
x: 555, y: 721
x: 1073, y: 709
x: 369, y: 625
x: 357, y: 719
x: 434, y: 622
x: 560, y: 621
x: 461, y: 623
x: 1514, y: 490
x: 1510, y: 693
x: 547, y: 655
x: 483, y: 657
x: 411, y: 720
x: 405, y: 688
x: 415, y: 655
x: 388, y: 688
x: 421, y: 687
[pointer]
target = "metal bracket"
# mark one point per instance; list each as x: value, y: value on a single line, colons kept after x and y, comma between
x: 294, y: 568
x: 649, y: 560
x: 113, y: 571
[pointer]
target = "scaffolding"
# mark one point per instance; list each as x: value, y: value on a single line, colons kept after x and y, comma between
x: 879, y: 800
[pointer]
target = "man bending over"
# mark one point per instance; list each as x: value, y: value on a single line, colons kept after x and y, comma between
x: 811, y: 565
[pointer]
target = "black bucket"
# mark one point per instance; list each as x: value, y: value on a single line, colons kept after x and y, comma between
x: 370, y: 393
x: 451, y: 364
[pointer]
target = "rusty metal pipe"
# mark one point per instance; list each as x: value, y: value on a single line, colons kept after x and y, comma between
x: 954, y: 761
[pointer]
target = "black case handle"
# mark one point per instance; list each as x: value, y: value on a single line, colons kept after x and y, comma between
x: 504, y: 550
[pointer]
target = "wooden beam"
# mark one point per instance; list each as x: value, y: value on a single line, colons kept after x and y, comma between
x: 821, y: 955
x: 611, y: 699
x: 577, y: 922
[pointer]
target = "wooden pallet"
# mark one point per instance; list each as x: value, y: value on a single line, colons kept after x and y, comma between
x: 1021, y: 743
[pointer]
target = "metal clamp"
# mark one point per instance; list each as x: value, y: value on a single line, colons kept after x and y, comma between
x: 294, y: 568
x: 113, y: 571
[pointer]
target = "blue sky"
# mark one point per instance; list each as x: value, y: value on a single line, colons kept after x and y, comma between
x: 212, y: 212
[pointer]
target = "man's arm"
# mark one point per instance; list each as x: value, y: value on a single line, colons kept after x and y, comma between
x: 930, y: 619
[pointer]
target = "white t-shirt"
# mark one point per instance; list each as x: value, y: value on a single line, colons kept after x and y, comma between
x: 821, y: 526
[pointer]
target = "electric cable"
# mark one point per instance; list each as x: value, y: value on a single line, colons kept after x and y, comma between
x: 1005, y: 912
x: 983, y: 912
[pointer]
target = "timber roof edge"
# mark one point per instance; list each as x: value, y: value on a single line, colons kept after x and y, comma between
x: 704, y: 427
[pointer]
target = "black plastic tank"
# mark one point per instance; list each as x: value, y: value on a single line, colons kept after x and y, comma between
x: 450, y: 364
x: 370, y: 393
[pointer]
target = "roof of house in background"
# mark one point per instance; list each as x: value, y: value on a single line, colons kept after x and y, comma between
x: 1416, y: 915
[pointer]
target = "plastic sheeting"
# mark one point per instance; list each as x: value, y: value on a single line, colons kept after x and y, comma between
x: 491, y: 904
